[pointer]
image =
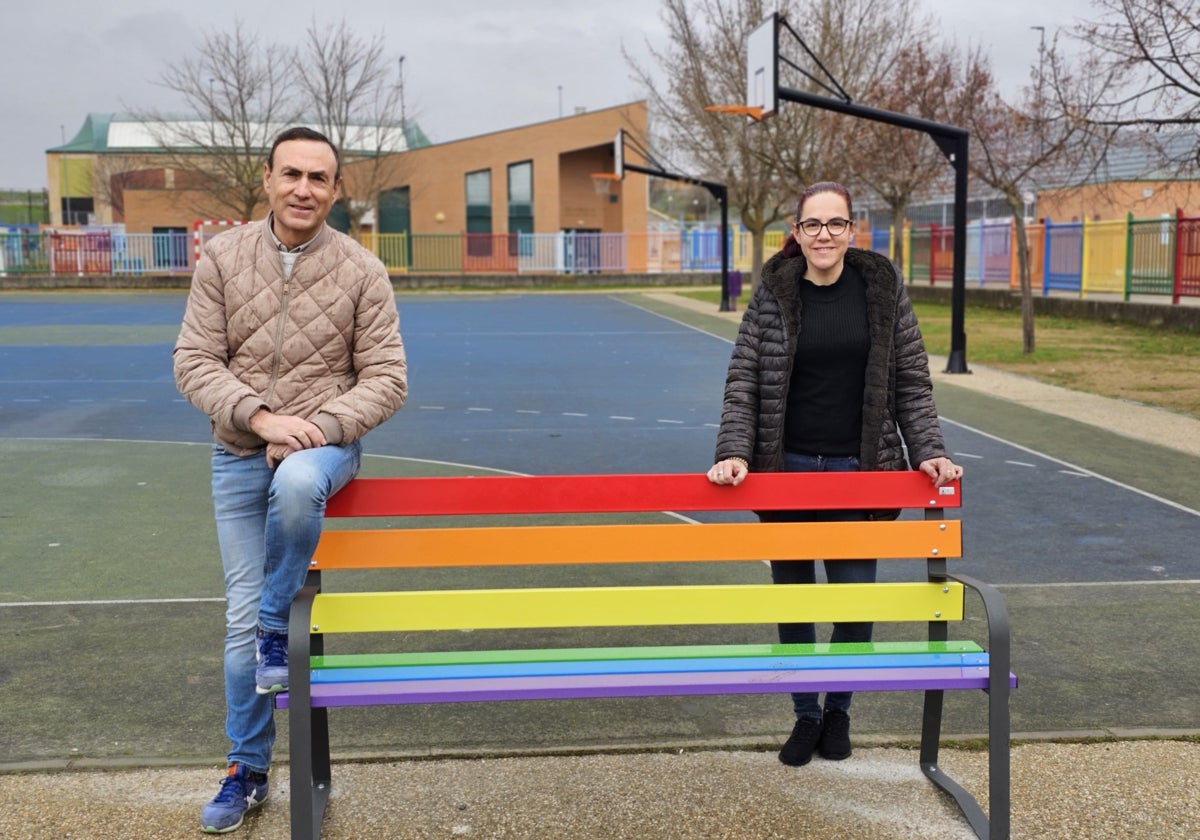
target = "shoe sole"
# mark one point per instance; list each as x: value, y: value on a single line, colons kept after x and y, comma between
x: 787, y: 763
x: 212, y: 829
x: 275, y: 689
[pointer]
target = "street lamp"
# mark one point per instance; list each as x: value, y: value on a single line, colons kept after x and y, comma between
x: 65, y: 210
x: 1041, y: 77
x: 403, y: 117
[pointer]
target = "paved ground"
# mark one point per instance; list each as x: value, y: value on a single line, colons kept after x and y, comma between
x: 1122, y: 788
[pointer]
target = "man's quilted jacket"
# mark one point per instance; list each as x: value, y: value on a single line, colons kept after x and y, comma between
x: 323, y: 344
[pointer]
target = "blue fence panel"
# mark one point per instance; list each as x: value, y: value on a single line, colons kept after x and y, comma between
x: 881, y: 241
x: 1063, y: 260
x: 701, y: 250
x: 974, y: 268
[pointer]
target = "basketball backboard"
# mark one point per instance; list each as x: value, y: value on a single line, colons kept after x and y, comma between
x: 762, y: 62
x: 603, y: 181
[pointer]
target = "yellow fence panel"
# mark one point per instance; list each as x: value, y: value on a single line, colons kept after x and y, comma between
x: 1104, y: 246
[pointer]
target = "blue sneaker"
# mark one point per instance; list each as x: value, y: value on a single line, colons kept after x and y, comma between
x: 271, y: 673
x: 242, y: 790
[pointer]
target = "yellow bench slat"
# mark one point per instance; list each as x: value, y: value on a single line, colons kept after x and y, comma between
x: 477, y: 609
x: 676, y: 543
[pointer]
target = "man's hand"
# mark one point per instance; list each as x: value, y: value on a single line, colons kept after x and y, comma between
x: 285, y: 434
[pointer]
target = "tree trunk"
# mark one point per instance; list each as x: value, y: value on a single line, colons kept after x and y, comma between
x: 1027, y: 337
x: 756, y: 257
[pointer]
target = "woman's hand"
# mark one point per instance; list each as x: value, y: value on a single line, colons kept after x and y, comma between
x: 730, y: 471
x: 941, y: 470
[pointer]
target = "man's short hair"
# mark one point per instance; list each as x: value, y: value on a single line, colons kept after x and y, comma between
x: 301, y: 132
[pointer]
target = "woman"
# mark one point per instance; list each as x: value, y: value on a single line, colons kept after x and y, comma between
x: 828, y: 374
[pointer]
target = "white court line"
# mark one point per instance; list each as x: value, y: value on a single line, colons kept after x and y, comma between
x: 139, y: 602
x: 1017, y: 446
x: 1073, y: 467
x: 124, y: 602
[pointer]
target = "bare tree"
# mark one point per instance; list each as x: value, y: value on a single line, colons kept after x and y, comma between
x: 764, y: 165
x: 900, y: 165
x: 1049, y: 135
x: 705, y: 65
x: 1149, y: 51
x: 241, y: 92
x: 358, y: 106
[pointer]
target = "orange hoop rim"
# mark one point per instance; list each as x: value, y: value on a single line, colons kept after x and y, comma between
x: 753, y: 111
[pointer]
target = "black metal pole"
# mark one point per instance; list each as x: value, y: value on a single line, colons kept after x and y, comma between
x: 721, y: 193
x: 956, y: 362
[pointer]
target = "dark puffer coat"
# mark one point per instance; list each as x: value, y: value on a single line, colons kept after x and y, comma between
x: 898, y: 407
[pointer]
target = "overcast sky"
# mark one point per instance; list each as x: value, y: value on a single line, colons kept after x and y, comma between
x: 470, y: 66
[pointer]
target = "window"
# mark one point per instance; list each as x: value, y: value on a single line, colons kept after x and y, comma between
x: 520, y: 197
x: 479, y: 213
x: 479, y: 201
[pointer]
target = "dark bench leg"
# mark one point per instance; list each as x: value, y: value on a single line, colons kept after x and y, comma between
x: 308, y: 735
x: 931, y: 730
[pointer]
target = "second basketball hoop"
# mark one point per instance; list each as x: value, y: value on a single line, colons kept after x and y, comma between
x: 603, y: 182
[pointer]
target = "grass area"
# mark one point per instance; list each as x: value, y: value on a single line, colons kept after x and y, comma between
x: 1150, y: 365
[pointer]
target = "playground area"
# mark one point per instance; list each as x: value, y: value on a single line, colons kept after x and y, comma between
x: 1084, y: 512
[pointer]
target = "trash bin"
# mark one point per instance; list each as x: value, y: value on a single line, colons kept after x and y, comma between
x: 735, y: 284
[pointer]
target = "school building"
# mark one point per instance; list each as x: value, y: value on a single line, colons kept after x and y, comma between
x: 530, y: 179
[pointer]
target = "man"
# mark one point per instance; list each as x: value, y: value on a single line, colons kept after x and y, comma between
x: 291, y: 345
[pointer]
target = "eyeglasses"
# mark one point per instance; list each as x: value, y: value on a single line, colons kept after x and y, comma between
x: 812, y: 227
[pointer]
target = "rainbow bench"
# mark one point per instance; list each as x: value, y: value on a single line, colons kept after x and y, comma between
x: 932, y: 664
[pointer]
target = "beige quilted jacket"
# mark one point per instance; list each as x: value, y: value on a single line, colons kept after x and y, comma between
x: 324, y: 344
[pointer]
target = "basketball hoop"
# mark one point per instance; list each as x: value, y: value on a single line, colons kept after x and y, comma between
x: 603, y: 182
x: 754, y: 112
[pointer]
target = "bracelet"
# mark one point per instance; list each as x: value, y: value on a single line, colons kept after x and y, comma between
x: 741, y: 461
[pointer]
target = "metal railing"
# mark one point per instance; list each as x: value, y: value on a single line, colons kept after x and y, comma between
x: 1158, y: 256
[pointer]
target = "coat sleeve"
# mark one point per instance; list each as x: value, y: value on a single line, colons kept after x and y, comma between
x: 739, y: 412
x: 201, y: 354
x: 380, y: 365
x: 916, y: 413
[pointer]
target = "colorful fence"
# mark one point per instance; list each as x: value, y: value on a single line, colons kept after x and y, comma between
x: 1131, y: 257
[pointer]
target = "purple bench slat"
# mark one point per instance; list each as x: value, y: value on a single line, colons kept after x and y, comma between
x: 642, y: 685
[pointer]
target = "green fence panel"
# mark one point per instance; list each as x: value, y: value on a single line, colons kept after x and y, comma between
x: 1150, y: 258
x: 437, y: 252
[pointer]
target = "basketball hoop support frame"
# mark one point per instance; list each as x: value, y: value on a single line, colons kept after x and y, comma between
x: 954, y: 143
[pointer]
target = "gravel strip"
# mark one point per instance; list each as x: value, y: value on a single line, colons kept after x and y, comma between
x: 1102, y: 791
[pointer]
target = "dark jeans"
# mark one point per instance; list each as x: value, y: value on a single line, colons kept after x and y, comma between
x: 840, y: 571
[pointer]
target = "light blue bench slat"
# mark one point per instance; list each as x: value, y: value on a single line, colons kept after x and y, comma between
x: 644, y: 666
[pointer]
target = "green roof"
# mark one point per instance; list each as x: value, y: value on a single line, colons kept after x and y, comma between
x: 91, y: 137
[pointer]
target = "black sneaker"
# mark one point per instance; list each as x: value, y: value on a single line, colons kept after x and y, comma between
x: 798, y: 750
x: 834, y: 743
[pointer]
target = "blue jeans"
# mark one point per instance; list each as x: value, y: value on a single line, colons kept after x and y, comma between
x: 268, y: 524
x: 838, y: 571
